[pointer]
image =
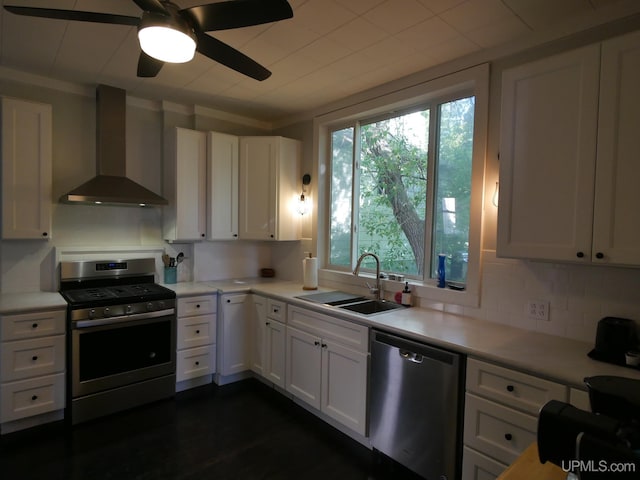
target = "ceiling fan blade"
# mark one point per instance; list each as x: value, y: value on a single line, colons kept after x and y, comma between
x: 230, y: 57
x: 74, y: 15
x: 238, y: 13
x: 151, y: 6
x: 148, y: 66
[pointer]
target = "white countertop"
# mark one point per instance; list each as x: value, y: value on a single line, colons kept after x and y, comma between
x: 549, y: 356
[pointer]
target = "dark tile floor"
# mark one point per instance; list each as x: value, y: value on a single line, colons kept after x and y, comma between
x: 240, y: 431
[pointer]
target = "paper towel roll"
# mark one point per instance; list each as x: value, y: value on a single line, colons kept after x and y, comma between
x: 310, y: 273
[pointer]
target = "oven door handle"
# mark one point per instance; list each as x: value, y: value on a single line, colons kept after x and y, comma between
x: 123, y: 318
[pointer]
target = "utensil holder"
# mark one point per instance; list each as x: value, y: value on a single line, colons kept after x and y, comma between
x: 170, y: 274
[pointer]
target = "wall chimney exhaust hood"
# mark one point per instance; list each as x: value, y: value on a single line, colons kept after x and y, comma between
x: 110, y: 186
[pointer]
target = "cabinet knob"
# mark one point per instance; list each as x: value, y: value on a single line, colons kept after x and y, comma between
x: 316, y: 343
x: 34, y: 325
x: 197, y: 363
x: 34, y: 358
x: 267, y: 323
x: 580, y: 254
x: 198, y: 305
x: 202, y: 235
x: 600, y: 255
x: 510, y: 388
x: 235, y: 235
x: 34, y: 397
x: 324, y: 345
x: 228, y: 300
x: 271, y: 235
x: 197, y: 331
x: 45, y: 234
x: 508, y: 437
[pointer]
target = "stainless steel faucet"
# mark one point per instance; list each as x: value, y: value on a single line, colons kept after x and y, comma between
x: 375, y: 290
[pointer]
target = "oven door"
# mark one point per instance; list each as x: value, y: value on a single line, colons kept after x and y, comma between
x: 114, y: 352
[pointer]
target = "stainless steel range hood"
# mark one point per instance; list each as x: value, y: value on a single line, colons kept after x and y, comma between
x: 110, y: 186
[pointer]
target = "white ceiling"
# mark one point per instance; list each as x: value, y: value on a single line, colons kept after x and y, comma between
x: 329, y: 50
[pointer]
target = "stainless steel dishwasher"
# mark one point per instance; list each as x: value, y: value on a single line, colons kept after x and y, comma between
x: 416, y: 393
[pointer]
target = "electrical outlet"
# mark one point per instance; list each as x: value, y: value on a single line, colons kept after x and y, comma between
x: 538, y: 309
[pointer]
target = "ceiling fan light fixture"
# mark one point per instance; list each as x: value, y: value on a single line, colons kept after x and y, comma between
x: 166, y: 39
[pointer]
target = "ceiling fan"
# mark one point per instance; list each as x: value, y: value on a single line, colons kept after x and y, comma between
x: 168, y: 33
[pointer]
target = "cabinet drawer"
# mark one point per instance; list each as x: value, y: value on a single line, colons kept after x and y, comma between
x: 516, y: 389
x: 195, y: 362
x: 476, y: 466
x: 31, y: 325
x: 31, y: 397
x: 196, y: 331
x: 347, y: 333
x: 31, y: 358
x: 496, y: 430
x: 276, y: 310
x: 200, y: 305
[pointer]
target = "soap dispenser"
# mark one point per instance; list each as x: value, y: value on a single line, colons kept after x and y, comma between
x: 406, y: 295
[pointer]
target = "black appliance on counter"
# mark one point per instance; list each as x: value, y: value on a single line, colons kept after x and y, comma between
x: 600, y: 445
x: 121, y: 347
x: 614, y: 337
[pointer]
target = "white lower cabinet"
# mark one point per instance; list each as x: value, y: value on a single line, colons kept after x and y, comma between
x: 32, y: 367
x: 234, y: 349
x: 196, y: 341
x: 501, y: 416
x: 268, y: 359
x: 327, y: 364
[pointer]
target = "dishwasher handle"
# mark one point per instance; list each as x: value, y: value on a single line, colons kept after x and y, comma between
x: 410, y: 356
x: 417, y: 352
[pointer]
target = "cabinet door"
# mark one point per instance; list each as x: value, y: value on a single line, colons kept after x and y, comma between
x: 26, y: 169
x: 222, y: 187
x: 236, y: 329
x: 476, y: 466
x: 258, y: 340
x: 616, y: 231
x: 274, y: 352
x: 185, y: 185
x: 304, y: 361
x: 547, y: 157
x: 257, y: 179
x: 344, y: 385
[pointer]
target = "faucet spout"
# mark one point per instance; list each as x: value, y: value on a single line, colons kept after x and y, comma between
x: 377, y: 289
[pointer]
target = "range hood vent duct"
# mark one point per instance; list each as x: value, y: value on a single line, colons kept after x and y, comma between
x: 110, y: 186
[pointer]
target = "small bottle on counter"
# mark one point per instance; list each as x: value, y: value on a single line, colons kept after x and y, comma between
x: 441, y: 270
x: 406, y: 295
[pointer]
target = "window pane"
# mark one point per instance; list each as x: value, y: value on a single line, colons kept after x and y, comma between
x: 341, y: 188
x: 453, y: 187
x: 393, y: 187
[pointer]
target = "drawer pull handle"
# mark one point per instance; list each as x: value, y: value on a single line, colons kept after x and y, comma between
x: 34, y: 325
x: 34, y: 397
x: 510, y: 388
x: 34, y: 358
x: 508, y: 437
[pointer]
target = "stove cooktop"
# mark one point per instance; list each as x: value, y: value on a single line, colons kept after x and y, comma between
x: 117, y: 294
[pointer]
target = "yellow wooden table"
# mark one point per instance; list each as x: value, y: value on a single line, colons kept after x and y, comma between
x: 528, y: 467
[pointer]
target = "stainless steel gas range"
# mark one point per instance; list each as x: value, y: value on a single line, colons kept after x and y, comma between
x: 122, y: 336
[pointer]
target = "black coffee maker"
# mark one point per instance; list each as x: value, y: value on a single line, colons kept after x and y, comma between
x: 600, y: 445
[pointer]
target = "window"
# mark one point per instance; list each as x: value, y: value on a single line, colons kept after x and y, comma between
x: 401, y: 188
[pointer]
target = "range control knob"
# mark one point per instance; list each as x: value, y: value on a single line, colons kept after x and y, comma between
x: 92, y: 313
x: 106, y: 312
x: 149, y: 306
x: 161, y: 305
x: 128, y: 309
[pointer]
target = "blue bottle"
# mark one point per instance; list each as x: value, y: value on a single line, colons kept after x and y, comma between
x: 441, y: 270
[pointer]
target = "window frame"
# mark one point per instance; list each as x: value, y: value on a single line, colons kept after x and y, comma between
x: 469, y: 82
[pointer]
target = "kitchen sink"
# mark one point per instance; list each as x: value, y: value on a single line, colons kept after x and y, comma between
x: 370, y: 307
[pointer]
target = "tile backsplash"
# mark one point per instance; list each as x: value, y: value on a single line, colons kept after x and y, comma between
x: 578, y: 295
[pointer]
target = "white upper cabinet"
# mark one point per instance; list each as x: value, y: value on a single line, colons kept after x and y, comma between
x: 270, y: 185
x: 26, y: 169
x: 616, y: 231
x: 185, y: 185
x: 222, y: 186
x: 568, y: 153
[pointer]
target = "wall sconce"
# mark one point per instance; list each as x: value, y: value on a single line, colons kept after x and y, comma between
x: 303, y: 206
x: 496, y: 194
